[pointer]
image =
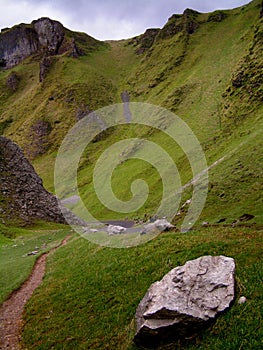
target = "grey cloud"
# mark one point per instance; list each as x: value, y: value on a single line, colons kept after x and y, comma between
x: 111, y: 19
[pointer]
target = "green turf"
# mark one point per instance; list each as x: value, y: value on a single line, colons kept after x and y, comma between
x: 89, y: 295
x: 226, y: 119
x: 15, y: 265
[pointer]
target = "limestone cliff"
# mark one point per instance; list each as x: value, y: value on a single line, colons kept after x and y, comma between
x: 44, y: 36
x: 22, y: 195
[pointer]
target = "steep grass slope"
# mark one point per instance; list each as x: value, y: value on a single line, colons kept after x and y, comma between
x: 204, y: 67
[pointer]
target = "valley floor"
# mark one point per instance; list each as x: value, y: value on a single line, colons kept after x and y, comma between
x: 89, y: 294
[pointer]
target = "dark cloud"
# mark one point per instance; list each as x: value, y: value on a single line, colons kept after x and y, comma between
x: 106, y: 19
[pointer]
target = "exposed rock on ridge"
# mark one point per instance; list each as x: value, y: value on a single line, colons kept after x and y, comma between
x: 144, y: 41
x: 17, y: 44
x: 186, y: 23
x: 44, y: 35
x: 44, y: 67
x: 246, y: 82
x: 50, y: 34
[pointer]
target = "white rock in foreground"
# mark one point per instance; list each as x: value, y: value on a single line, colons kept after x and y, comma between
x: 115, y: 230
x: 187, y: 298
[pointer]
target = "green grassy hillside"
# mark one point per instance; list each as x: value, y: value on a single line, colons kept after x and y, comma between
x: 209, y: 75
x: 16, y: 243
x: 206, y: 68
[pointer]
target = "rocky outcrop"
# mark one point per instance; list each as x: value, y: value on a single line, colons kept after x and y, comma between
x: 12, y: 81
x: 82, y: 111
x: 145, y: 41
x: 186, y: 23
x: 217, y: 16
x: 115, y: 230
x: 159, y: 224
x: 50, y: 34
x: 16, y: 44
x: 44, y: 67
x: 44, y: 36
x: 21, y: 189
x: 38, y: 138
x: 74, y: 50
x: 246, y: 83
x: 185, y: 300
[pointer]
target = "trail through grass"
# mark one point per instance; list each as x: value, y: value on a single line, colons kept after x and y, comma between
x: 15, y: 264
x: 89, y: 295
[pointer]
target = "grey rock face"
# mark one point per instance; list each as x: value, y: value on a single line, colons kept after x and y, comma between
x: 186, y: 299
x: 16, y: 44
x: 50, y: 34
x: 146, y: 40
x: 186, y: 23
x: 12, y: 81
x: 74, y: 51
x: 44, y: 67
x: 22, y: 189
x: 24, y: 40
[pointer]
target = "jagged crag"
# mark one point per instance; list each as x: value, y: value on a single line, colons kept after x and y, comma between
x: 44, y: 37
x: 23, y: 197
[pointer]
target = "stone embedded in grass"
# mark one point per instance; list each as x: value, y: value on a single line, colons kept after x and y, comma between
x: 246, y: 217
x: 185, y: 300
x: 205, y: 223
x: 221, y: 220
x: 242, y: 300
x: 115, y: 230
x: 160, y: 224
x: 34, y: 252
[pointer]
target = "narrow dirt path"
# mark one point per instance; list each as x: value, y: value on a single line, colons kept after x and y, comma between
x: 12, y: 309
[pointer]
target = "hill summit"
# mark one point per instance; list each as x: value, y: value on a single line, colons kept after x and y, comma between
x: 44, y: 36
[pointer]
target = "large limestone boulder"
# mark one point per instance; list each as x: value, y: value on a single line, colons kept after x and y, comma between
x: 186, y: 299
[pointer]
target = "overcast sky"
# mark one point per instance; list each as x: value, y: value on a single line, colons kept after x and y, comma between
x: 105, y: 19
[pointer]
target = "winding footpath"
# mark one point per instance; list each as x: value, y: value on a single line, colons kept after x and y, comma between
x: 11, y: 310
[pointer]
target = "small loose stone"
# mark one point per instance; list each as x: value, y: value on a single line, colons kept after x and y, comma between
x: 242, y: 300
